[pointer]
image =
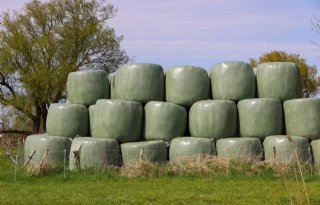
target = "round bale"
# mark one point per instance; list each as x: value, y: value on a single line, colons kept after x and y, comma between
x: 302, y: 117
x: 183, y: 147
x: 164, y: 121
x: 232, y: 81
x: 118, y: 119
x: 139, y: 82
x: 213, y: 119
x: 86, y: 87
x: 67, y: 120
x: 87, y: 152
x: 315, y: 144
x: 287, y: 149
x: 151, y: 151
x: 58, y: 149
x: 280, y: 80
x: 260, y: 117
x: 186, y: 85
x: 240, y: 147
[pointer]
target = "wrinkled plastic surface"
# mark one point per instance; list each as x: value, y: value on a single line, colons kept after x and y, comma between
x: 232, y: 81
x: 286, y: 149
x: 67, y: 120
x: 111, y: 80
x: 279, y: 80
x: 213, y: 119
x: 315, y: 144
x: 186, y: 85
x: 41, y: 142
x: 153, y: 151
x: 91, y: 114
x: 302, y: 117
x: 164, y: 121
x: 139, y: 82
x: 260, y: 117
x: 118, y: 119
x: 183, y: 147
x: 94, y: 152
x: 240, y: 147
x: 86, y: 87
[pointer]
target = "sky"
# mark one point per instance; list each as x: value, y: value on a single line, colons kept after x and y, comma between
x: 205, y: 32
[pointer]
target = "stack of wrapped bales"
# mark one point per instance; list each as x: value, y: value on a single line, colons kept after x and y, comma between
x: 141, y: 112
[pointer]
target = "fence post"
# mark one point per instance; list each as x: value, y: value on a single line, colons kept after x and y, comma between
x: 141, y: 154
x: 15, y: 169
x: 64, y: 163
x: 274, y: 153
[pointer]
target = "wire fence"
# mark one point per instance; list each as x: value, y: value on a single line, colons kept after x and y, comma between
x: 65, y: 160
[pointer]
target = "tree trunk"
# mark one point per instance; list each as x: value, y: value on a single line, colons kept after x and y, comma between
x: 44, y: 114
x: 36, y: 125
x: 36, y: 119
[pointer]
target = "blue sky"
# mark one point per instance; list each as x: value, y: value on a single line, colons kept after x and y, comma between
x: 205, y: 32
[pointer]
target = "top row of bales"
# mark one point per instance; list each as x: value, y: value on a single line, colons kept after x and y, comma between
x: 185, y: 85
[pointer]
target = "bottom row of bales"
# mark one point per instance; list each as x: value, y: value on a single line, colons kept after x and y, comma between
x: 86, y: 152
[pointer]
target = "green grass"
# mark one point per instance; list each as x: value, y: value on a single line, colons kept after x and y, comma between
x: 110, y: 187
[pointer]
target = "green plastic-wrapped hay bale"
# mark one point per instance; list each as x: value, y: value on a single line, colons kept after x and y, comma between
x: 164, y: 121
x: 58, y: 149
x: 86, y: 87
x: 139, y: 82
x: 280, y: 80
x: 232, y: 81
x: 111, y: 79
x: 183, y: 147
x: 315, y: 144
x: 87, y: 152
x: 213, y: 119
x: 67, y: 120
x: 302, y: 117
x: 91, y: 114
x: 287, y: 149
x: 260, y: 117
x: 186, y: 85
x: 152, y: 151
x: 240, y: 147
x: 118, y: 119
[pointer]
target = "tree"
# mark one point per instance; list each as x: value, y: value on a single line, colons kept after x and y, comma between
x: 42, y: 44
x: 309, y: 80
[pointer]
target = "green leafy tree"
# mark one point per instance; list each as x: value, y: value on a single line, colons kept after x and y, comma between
x: 310, y: 81
x: 40, y: 45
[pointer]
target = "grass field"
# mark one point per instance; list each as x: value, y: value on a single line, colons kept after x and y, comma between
x: 111, y: 187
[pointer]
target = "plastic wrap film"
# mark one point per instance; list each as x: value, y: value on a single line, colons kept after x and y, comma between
x: 118, y: 119
x: 183, y: 147
x: 139, y: 82
x: 164, y: 121
x: 260, y: 117
x: 91, y: 114
x: 86, y: 87
x: 315, y: 144
x: 151, y: 151
x: 213, y: 119
x: 186, y: 85
x: 67, y: 120
x: 302, y: 117
x: 58, y: 149
x: 232, y: 81
x: 280, y: 80
x: 240, y: 148
x: 111, y: 80
x: 88, y: 152
x: 287, y: 149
